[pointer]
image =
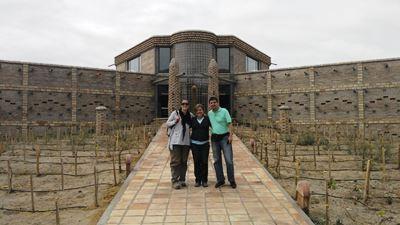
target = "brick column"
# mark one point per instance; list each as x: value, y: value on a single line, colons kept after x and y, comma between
x: 213, y: 84
x: 25, y: 83
x: 269, y: 95
x: 284, y: 123
x: 117, y: 95
x: 74, y: 88
x: 360, y: 97
x: 312, y: 96
x: 174, y: 93
x: 100, y: 120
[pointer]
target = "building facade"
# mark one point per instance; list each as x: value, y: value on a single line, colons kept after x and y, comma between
x: 359, y: 94
x: 192, y: 51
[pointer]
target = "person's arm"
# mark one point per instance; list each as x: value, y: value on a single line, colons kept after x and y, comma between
x: 230, y: 128
x: 172, y: 120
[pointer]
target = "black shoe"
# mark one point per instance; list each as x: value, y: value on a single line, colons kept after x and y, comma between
x: 219, y: 184
x: 205, y: 184
x: 183, y: 184
x: 197, y: 184
x: 233, y: 184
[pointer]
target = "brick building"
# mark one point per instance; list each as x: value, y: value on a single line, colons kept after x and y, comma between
x: 193, y: 51
x: 360, y: 94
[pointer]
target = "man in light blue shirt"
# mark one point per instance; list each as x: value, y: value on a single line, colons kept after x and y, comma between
x: 221, y: 141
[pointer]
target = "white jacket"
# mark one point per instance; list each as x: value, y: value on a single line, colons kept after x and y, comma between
x: 175, y: 134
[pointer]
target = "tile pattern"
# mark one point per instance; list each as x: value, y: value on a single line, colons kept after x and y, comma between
x: 149, y: 198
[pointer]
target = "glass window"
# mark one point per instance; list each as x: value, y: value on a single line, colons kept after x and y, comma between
x: 223, y: 60
x: 134, y: 64
x: 164, y: 58
x: 251, y: 64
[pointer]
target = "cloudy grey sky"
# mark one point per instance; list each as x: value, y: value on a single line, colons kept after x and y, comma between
x: 293, y: 33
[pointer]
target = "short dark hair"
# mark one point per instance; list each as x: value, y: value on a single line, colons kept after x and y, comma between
x: 199, y: 106
x: 213, y: 98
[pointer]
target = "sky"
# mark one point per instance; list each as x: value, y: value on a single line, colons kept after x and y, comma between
x: 292, y: 32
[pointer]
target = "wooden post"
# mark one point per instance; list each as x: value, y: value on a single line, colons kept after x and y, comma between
x: 266, y: 156
x: 10, y: 175
x: 62, y: 174
x: 329, y: 164
x: 297, y: 173
x: 128, y: 161
x: 398, y: 157
x: 278, y: 162
x: 32, y: 199
x: 326, y: 202
x: 284, y: 148
x: 383, y: 152
x: 114, y: 173
x: 318, y: 144
x: 315, y: 157
x: 57, y: 213
x: 96, y: 188
x: 75, y: 151
x: 261, y: 150
x: 367, y: 178
x: 37, y: 148
x: 294, y: 148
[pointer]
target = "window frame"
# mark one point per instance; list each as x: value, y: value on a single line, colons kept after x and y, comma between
x: 159, y: 59
x: 128, y: 68
x: 220, y: 70
x: 247, y: 64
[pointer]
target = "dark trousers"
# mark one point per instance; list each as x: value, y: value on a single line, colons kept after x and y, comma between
x: 200, y: 159
x: 218, y: 148
x: 179, y: 156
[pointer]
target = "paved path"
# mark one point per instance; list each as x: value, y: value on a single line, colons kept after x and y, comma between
x: 146, y: 197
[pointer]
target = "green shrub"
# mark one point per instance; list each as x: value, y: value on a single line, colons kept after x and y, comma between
x: 306, y: 139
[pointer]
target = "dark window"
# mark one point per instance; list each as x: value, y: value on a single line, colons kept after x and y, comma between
x: 134, y: 65
x: 223, y: 60
x: 251, y: 64
x: 164, y: 57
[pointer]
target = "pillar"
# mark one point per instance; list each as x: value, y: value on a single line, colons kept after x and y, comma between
x: 213, y: 83
x: 284, y: 121
x: 174, y: 89
x: 100, y: 120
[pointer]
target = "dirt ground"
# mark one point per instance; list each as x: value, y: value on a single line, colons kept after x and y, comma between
x: 346, y: 204
x: 77, y: 201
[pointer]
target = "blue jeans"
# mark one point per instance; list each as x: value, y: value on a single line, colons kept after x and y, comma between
x: 218, y: 147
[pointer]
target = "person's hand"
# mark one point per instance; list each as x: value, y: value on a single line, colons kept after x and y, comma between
x: 230, y: 138
x: 177, y: 120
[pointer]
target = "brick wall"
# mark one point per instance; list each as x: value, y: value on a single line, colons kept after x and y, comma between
x: 33, y: 95
x: 360, y: 93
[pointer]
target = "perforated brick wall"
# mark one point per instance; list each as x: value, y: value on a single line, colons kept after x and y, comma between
x: 33, y: 96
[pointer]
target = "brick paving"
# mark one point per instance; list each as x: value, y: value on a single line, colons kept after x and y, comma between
x: 148, y: 198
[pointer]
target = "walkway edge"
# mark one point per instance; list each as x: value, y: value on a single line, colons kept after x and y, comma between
x: 106, y: 214
x: 305, y: 216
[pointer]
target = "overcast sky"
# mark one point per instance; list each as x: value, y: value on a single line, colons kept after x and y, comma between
x: 292, y: 33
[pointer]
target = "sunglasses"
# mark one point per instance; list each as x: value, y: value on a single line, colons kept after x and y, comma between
x: 185, y: 103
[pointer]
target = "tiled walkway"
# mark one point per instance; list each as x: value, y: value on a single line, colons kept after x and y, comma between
x: 147, y: 197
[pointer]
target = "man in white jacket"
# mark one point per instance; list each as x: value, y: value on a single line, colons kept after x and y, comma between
x: 179, y: 143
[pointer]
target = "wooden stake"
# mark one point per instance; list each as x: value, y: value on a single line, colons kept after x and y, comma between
x: 128, y: 161
x: 57, y: 213
x: 326, y: 202
x: 10, y: 175
x: 278, y: 162
x: 96, y: 188
x: 297, y: 173
x: 266, y: 156
x: 398, y: 157
x: 37, y: 148
x: 315, y: 157
x: 318, y: 144
x: 294, y: 148
x: 32, y: 199
x: 261, y: 150
x: 62, y: 174
x: 75, y: 151
x: 367, y: 179
x: 114, y: 172
x: 383, y: 152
